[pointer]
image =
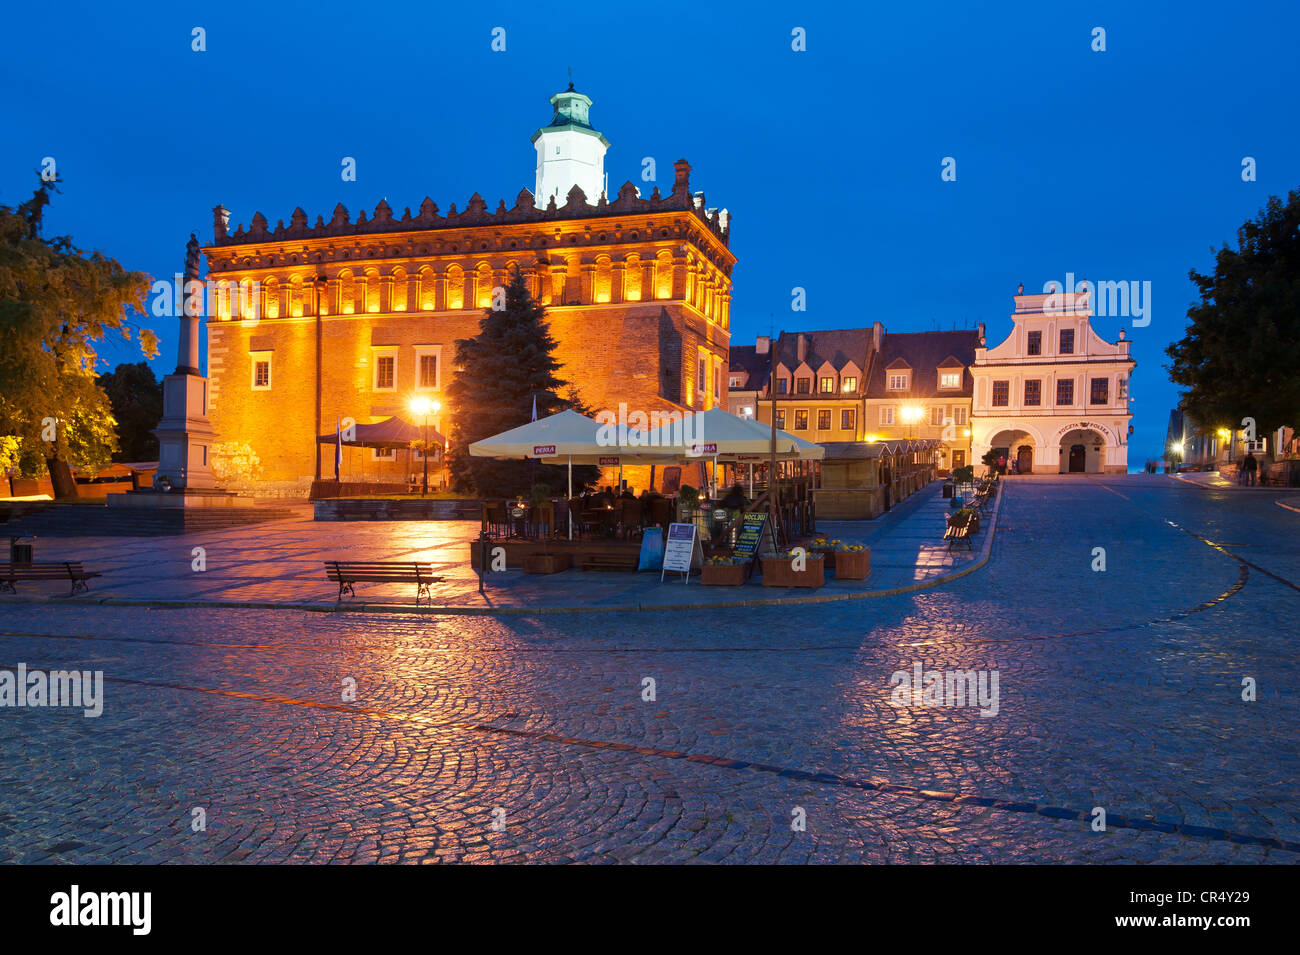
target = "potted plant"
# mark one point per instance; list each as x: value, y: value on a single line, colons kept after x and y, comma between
x: 971, y: 517
x: 724, y: 570
x: 788, y: 569
x: 852, y: 561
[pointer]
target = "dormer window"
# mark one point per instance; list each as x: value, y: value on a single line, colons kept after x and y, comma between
x: 898, y: 381
x: 950, y: 379
x: 850, y: 384
x: 827, y: 386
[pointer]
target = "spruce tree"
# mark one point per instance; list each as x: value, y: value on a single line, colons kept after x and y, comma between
x: 499, y: 372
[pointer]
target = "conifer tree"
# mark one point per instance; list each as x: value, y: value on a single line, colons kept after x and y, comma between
x: 499, y: 372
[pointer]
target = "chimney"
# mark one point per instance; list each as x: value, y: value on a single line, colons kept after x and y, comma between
x: 980, y: 329
x: 877, y: 336
x: 762, y: 344
x: 802, y: 346
x: 220, y: 222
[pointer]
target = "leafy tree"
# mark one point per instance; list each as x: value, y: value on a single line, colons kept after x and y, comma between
x: 501, y: 370
x: 1242, y: 347
x: 55, y: 302
x: 136, y: 397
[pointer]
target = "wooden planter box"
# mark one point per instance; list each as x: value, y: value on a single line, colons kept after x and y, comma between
x: 723, y: 575
x: 546, y: 563
x: 780, y: 572
x: 853, y: 564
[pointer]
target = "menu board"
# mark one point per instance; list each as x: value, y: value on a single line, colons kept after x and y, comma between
x: 682, y: 550
x: 751, y: 535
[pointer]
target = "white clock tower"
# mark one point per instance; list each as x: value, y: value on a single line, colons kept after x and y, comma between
x: 569, y: 152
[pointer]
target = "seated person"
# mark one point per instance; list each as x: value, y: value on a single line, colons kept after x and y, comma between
x: 735, y: 498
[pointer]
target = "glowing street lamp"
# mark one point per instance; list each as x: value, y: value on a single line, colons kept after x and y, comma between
x: 423, y: 407
x: 911, y: 414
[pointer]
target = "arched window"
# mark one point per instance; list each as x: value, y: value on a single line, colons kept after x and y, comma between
x: 455, y: 287
x: 371, y: 290
x: 399, y: 287
x: 664, y: 275
x: 603, y: 279
x: 632, y: 278
x: 270, y: 297
x: 295, y: 296
x: 483, y: 286
x: 425, y: 290
x: 347, y: 293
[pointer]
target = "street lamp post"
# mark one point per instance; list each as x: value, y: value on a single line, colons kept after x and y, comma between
x: 424, y: 407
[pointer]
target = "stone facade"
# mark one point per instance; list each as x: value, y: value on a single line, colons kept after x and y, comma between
x: 1053, y: 397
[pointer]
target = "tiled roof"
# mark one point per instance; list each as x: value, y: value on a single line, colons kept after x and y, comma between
x: 836, y: 346
x: 925, y: 353
x: 745, y: 358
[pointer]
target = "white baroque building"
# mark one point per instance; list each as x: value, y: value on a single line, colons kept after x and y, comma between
x: 1053, y: 397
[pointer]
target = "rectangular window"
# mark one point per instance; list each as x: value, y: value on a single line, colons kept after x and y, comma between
x: 701, y: 378
x: 828, y: 386
x: 780, y: 421
x: 1033, y: 392
x: 385, y: 373
x: 824, y: 419
x: 850, y: 385
x: 887, y: 414
x: 383, y: 454
x: 801, y: 420
x: 1001, y: 393
x: 949, y: 379
x: 735, y: 381
x: 783, y: 386
x: 1100, y: 391
x: 1065, y: 391
x: 847, y: 419
x: 936, y: 417
x: 959, y: 416
x: 897, y: 382
x: 1067, y: 341
x: 428, y: 371
x: 1034, y: 343
x: 261, y: 371
x: 1121, y: 389
x: 803, y: 386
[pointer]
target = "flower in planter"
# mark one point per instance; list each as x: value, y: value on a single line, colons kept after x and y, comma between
x: 790, y: 555
x: 724, y: 560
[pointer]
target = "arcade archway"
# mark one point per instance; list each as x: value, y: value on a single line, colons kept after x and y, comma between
x: 1083, y: 451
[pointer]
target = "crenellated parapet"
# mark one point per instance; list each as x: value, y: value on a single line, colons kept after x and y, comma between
x: 476, y: 214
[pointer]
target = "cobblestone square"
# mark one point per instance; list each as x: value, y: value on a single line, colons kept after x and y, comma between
x: 773, y: 733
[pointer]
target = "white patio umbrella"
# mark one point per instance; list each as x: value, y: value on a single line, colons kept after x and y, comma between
x: 723, y: 437
x: 565, y: 437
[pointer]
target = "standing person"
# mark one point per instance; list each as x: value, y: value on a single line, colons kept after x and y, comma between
x: 1252, y: 466
x: 1002, y: 464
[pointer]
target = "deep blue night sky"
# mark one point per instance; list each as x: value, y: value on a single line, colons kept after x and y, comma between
x: 1117, y: 165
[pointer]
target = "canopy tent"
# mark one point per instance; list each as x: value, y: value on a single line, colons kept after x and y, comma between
x: 394, y: 432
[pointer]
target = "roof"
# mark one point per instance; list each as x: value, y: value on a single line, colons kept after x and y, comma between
x: 868, y: 450
x: 925, y: 353
x: 746, y: 359
x: 837, y: 347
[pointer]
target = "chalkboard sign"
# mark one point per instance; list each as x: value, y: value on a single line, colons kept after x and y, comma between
x: 682, y: 550
x: 752, y: 534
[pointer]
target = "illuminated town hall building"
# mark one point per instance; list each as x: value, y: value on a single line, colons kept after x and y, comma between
x: 355, y: 318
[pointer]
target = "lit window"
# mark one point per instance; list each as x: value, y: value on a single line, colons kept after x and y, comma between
x: 780, y: 421
x: 261, y: 371
x: 824, y: 419
x: 801, y: 420
x: 828, y: 386
x: 850, y: 384
x: 428, y: 371
x: 949, y: 379
x: 385, y: 372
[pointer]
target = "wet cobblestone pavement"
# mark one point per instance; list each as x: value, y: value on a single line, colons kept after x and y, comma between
x: 1119, y: 689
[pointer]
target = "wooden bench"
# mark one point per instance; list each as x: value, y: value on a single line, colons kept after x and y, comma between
x: 958, y: 531
x: 70, y: 570
x: 610, y: 561
x: 348, y: 573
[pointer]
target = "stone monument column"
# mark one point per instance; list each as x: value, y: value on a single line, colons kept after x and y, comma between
x: 184, y: 434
